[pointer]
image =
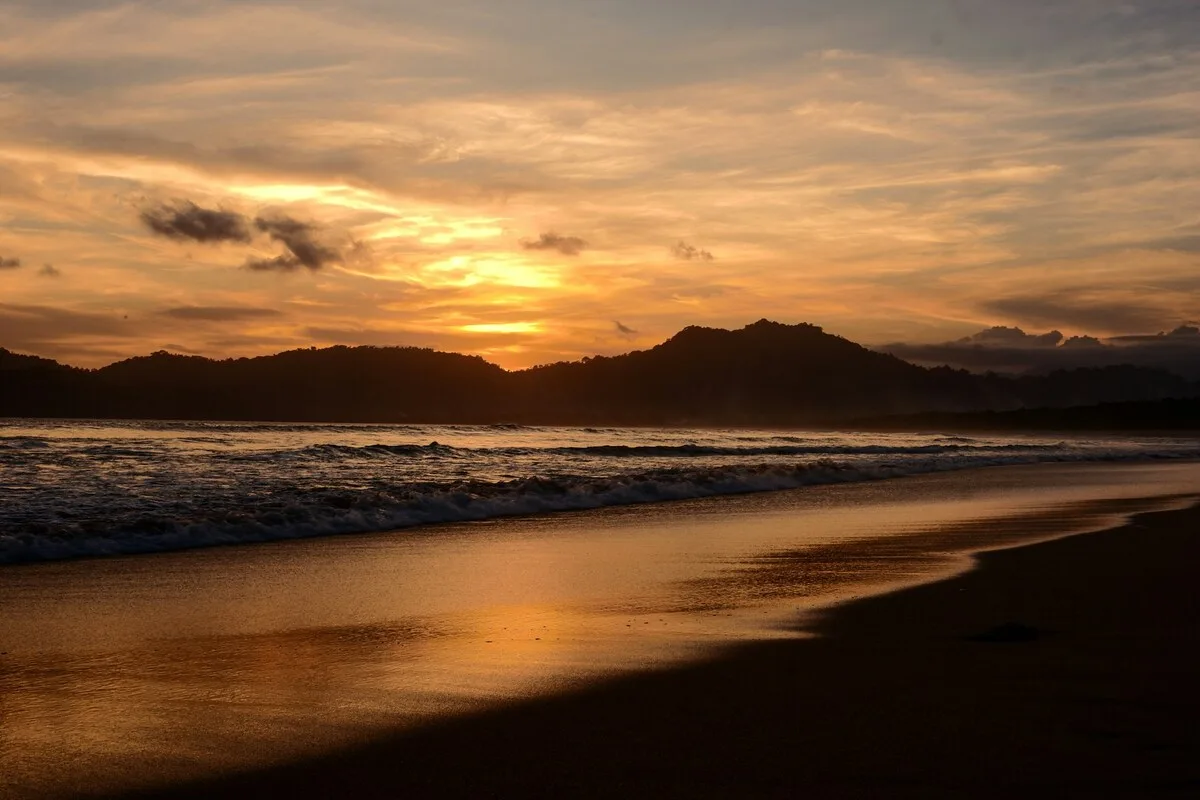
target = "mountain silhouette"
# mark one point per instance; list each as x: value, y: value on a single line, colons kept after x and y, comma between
x: 764, y: 374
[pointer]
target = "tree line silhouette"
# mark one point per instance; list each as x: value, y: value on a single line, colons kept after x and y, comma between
x: 764, y: 374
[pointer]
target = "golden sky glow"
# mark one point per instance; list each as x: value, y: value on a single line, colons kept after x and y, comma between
x: 541, y: 180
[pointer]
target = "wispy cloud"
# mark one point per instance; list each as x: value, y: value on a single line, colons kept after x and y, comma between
x: 687, y: 252
x: 42, y: 328
x: 284, y: 263
x: 1079, y: 310
x: 567, y: 245
x: 219, y: 313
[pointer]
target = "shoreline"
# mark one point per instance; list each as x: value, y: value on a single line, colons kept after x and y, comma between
x: 1091, y: 692
x: 802, y: 477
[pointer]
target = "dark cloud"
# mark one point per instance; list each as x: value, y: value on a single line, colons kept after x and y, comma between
x: 1069, y: 309
x: 977, y: 357
x: 624, y: 330
x: 50, y: 271
x: 287, y: 263
x: 567, y: 245
x: 299, y: 238
x: 9, y: 263
x: 1083, y: 341
x: 186, y: 221
x: 686, y: 252
x: 1178, y: 244
x: 178, y: 348
x: 57, y: 331
x: 1011, y: 350
x: 1188, y: 330
x: 1014, y: 337
x: 218, y: 313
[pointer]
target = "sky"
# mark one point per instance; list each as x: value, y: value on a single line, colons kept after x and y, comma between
x: 539, y: 180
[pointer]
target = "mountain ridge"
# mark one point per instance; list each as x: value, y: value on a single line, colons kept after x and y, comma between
x: 766, y: 373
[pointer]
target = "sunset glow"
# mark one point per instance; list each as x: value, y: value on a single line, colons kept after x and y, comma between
x: 614, y: 173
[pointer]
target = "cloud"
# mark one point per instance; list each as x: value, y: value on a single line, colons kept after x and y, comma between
x: 171, y: 347
x: 38, y: 328
x: 218, y: 313
x: 1178, y: 244
x: 256, y: 343
x: 624, y: 330
x: 1011, y: 350
x: 1186, y: 331
x: 50, y: 271
x: 567, y: 245
x: 9, y: 263
x: 1083, y: 341
x: 871, y: 184
x: 1072, y: 309
x: 186, y: 221
x: 298, y: 238
x: 287, y: 263
x: 686, y: 252
x: 1013, y: 337
x: 685, y: 292
x: 375, y: 337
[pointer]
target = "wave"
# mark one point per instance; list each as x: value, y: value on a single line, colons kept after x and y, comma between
x: 300, y: 513
x: 101, y: 451
x: 23, y: 443
x: 621, y: 451
x: 695, y: 450
x: 253, y: 427
x: 326, y: 451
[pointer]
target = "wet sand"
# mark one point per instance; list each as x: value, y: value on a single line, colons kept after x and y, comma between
x: 922, y: 692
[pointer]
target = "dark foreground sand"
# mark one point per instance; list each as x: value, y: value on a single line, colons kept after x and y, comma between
x: 898, y: 697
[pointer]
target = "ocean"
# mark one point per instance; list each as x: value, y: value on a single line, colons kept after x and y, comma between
x: 85, y: 488
x: 137, y: 671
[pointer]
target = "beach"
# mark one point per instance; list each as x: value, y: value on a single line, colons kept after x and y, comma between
x: 924, y: 692
x: 581, y: 653
x: 554, y: 398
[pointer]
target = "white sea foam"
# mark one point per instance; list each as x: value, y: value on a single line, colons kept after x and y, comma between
x: 176, y: 495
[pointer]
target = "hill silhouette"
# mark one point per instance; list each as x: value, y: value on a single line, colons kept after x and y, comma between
x: 764, y: 374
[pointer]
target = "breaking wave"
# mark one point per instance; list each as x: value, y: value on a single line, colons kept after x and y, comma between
x: 619, y: 451
x: 235, y: 518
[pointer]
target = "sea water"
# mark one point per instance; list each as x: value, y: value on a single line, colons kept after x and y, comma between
x: 91, y: 488
x: 132, y: 671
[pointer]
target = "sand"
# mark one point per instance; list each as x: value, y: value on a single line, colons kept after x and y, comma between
x: 1066, y: 668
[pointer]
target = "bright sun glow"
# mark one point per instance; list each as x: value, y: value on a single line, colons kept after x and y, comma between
x: 499, y: 269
